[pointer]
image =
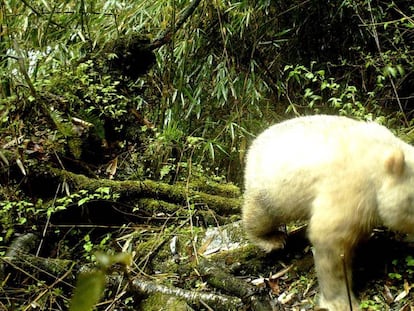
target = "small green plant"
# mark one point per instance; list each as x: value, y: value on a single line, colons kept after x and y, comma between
x: 371, y: 305
x: 409, y: 261
x: 407, y: 267
x: 17, y: 213
x: 25, y: 213
x: 395, y: 276
x: 90, y: 248
x: 323, y: 93
x: 82, y: 197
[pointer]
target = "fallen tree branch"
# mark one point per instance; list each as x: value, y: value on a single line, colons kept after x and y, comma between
x: 219, y: 277
x: 215, y: 301
x: 175, y: 194
x: 19, y: 258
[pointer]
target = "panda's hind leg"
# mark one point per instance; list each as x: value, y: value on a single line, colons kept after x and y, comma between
x: 261, y: 225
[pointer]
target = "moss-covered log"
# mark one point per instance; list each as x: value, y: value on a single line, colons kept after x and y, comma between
x: 215, y: 301
x: 18, y: 257
x: 219, y: 277
x: 179, y: 194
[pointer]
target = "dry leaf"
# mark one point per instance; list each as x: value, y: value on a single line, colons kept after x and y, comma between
x: 112, y: 167
x: 404, y: 293
x: 206, y: 244
x: 281, y: 273
x: 274, y: 286
x: 387, y: 295
x: 3, y: 158
x: 401, y: 295
x: 260, y: 282
x: 21, y: 166
x: 285, y: 298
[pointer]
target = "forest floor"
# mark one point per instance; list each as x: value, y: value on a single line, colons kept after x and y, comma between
x: 186, y: 258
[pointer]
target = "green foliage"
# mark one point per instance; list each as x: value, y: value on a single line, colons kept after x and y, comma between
x: 22, y: 213
x: 14, y: 214
x: 82, y: 197
x: 235, y: 69
x: 323, y: 93
x: 226, y: 85
x: 371, y: 305
x: 396, y: 276
x: 91, y: 247
x: 101, y: 193
x: 92, y: 95
x: 406, y: 270
x: 409, y: 261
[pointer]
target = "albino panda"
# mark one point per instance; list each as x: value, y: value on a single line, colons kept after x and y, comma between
x: 344, y: 177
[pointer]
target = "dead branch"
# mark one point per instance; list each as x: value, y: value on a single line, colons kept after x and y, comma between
x: 18, y: 257
x: 215, y: 301
x: 219, y: 277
